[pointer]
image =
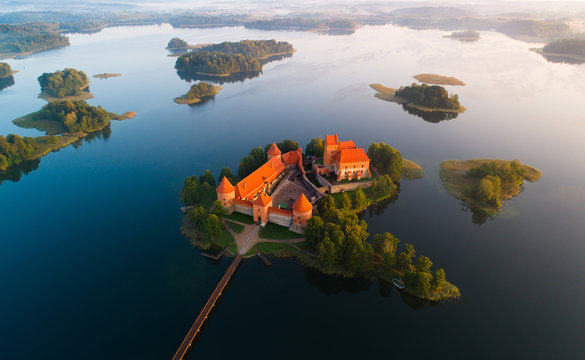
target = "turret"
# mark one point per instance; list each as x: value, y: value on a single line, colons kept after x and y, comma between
x: 226, y: 193
x: 302, y: 211
x: 274, y: 151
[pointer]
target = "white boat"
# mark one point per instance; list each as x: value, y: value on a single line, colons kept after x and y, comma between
x: 398, y: 283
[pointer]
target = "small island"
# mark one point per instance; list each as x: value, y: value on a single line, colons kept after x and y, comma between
x: 198, y: 92
x: 468, y: 35
x: 177, y: 44
x: 485, y: 183
x: 435, y: 79
x: 570, y: 51
x: 421, y: 97
x: 106, y: 75
x: 308, y: 205
x: 64, y: 122
x: 227, y: 58
x: 67, y: 84
x: 6, y: 78
x: 303, y: 24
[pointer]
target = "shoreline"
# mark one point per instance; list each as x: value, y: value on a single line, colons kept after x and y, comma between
x: 387, y: 94
x: 541, y: 51
x: 106, y: 75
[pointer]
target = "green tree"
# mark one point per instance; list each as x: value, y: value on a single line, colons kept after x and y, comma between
x: 218, y: 209
x: 250, y: 163
x: 359, y: 199
x: 314, y: 232
x: 326, y: 204
x: 438, y: 279
x: 227, y: 172
x: 345, y: 202
x: 207, y: 177
x: 177, y: 43
x: 424, y: 264
x: 388, y: 264
x: 211, y: 227
x: 5, y: 70
x: 385, y: 243
x: 404, y: 261
x: 190, y: 193
x: 315, y: 148
x: 386, y: 159
x: 327, y: 252
x: 68, y: 82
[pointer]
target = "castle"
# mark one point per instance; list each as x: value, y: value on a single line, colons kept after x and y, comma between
x: 250, y: 196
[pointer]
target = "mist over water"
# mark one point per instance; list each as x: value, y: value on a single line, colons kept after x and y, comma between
x: 93, y: 264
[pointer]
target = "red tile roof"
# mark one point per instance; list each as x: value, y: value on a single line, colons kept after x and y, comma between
x: 351, y: 156
x: 279, y: 211
x: 263, y: 200
x: 293, y: 157
x: 256, y: 181
x: 347, y: 145
x: 331, y: 139
x: 225, y: 187
x: 274, y: 150
x: 302, y: 204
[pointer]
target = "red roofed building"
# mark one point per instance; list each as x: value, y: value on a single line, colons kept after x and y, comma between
x: 345, y: 159
x: 260, y: 208
x: 274, y: 151
x: 260, y: 180
x: 226, y: 193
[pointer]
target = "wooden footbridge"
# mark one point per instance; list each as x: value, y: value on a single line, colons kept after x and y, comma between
x: 186, y: 344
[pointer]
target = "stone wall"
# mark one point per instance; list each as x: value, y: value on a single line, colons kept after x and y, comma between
x: 350, y: 186
x: 321, y: 180
x: 243, y: 208
x: 279, y: 219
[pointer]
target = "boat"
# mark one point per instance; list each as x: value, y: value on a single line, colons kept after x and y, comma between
x: 398, y: 283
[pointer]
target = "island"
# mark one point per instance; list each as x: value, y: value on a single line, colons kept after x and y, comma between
x: 484, y: 184
x: 304, y: 24
x: 421, y: 97
x: 64, y: 123
x: 106, y: 75
x: 6, y: 78
x: 468, y: 35
x: 199, y: 91
x: 177, y: 44
x: 564, y: 51
x: 19, y: 40
x: 308, y: 204
x: 436, y: 79
x: 68, y: 84
x: 228, y: 58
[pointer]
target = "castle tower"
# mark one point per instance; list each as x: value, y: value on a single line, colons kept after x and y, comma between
x: 274, y: 151
x: 330, y: 149
x: 302, y: 212
x: 260, y: 207
x: 226, y: 193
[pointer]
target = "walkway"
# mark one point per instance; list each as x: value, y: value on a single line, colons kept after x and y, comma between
x: 186, y: 344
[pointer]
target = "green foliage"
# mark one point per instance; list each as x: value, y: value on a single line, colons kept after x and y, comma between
x: 15, y: 149
x: 5, y: 70
x: 386, y: 159
x: 488, y: 191
x: 6, y: 82
x: 385, y: 243
x: 345, y: 202
x: 208, y: 225
x: 207, y: 177
x: 315, y: 148
x: 512, y: 172
x: 383, y: 186
x: 200, y: 62
x: 424, y: 264
x: 190, y: 193
x: 302, y: 24
x: 227, y: 172
x: 200, y: 90
x: 250, y: 163
x: 359, y: 200
x: 431, y: 96
x: 418, y: 282
x: 566, y: 46
x: 30, y: 37
x: 68, y: 82
x: 438, y: 279
x: 177, y: 43
x: 218, y: 209
x: 285, y: 146
x: 250, y: 48
x: 75, y: 115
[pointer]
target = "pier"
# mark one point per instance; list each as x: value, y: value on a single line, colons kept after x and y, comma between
x: 264, y: 259
x: 186, y: 344
x: 219, y: 255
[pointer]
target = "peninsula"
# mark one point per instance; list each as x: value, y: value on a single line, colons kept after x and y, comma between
x: 307, y: 205
x: 420, y: 97
x: 106, y: 75
x: 6, y: 78
x: 567, y: 50
x: 435, y: 79
x: 67, y: 84
x: 198, y: 92
x: 19, y: 40
x: 485, y: 183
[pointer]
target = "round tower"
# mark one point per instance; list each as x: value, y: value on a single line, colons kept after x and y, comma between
x: 274, y: 151
x: 226, y: 193
x: 302, y: 212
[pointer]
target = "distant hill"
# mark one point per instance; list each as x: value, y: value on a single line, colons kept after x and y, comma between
x: 433, y: 12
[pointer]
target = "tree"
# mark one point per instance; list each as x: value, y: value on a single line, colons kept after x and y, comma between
x: 352, y: 254
x: 488, y: 191
x: 424, y: 264
x: 68, y: 82
x: 438, y: 279
x: 177, y: 43
x: 211, y: 227
x: 345, y: 202
x: 383, y: 185
x: 5, y: 70
x: 207, y: 177
x: 326, y: 204
x: 190, y: 193
x: 285, y: 146
x: 386, y: 159
x: 218, y: 209
x: 250, y: 163
x: 385, y: 243
x: 314, y: 231
x: 388, y: 264
x: 315, y: 148
x: 359, y: 199
x: 227, y: 172
x: 327, y: 252
x: 404, y: 261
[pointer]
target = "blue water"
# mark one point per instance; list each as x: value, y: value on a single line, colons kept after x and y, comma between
x: 93, y: 264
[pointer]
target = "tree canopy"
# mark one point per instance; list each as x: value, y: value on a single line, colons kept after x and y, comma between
x: 215, y: 63
x: 315, y: 148
x: 200, y: 90
x: 250, y: 163
x: 30, y: 37
x: 75, y: 115
x: 386, y: 159
x: 15, y: 149
x: 431, y: 96
x: 68, y: 82
x: 250, y: 48
x: 5, y: 70
x: 566, y: 47
x: 177, y: 43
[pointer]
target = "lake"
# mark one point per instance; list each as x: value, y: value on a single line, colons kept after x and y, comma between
x: 93, y: 264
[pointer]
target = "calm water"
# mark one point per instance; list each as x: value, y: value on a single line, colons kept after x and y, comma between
x: 93, y: 264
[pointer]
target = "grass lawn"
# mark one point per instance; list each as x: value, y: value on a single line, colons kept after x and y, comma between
x: 270, y: 248
x: 224, y: 238
x: 236, y: 216
x: 237, y: 228
x: 277, y: 232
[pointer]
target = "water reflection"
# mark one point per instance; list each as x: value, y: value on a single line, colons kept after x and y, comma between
x: 6, y: 82
x: 330, y: 284
x: 563, y: 60
x: 15, y: 172
x: 430, y: 116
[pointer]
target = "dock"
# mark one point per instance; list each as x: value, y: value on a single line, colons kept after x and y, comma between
x: 183, y: 350
x: 219, y: 255
x: 264, y: 259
